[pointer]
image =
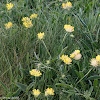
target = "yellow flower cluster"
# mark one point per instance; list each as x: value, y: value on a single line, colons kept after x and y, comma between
x: 69, y: 28
x: 8, y: 25
x: 33, y: 16
x: 40, y: 35
x: 66, y: 59
x: 67, y: 5
x: 36, y: 93
x: 35, y: 72
x: 9, y: 6
x: 64, y: 5
x: 24, y: 19
x: 76, y: 55
x: 27, y: 22
x: 49, y: 91
x: 95, y: 61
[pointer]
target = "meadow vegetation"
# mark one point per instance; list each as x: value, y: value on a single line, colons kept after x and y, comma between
x: 50, y: 50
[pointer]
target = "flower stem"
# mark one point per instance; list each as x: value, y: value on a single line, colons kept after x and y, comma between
x: 36, y: 98
x: 64, y: 38
x: 35, y: 79
x: 47, y: 98
x: 78, y: 66
x: 46, y: 48
x: 84, y: 76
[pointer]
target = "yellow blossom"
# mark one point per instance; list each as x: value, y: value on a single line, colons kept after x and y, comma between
x: 62, y: 57
x: 35, y: 72
x: 40, y: 35
x: 66, y: 59
x: 64, y: 5
x: 67, y: 5
x: 69, y: 28
x: 94, y: 62
x: 98, y: 58
x: 9, y: 6
x: 76, y: 55
x: 25, y: 19
x: 76, y: 52
x: 49, y: 91
x: 36, y: 93
x: 33, y: 16
x: 28, y: 24
x: 8, y: 25
x: 72, y: 55
x: 99, y: 15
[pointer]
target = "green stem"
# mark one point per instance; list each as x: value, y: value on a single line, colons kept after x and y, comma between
x: 46, y: 48
x: 7, y: 1
x: 64, y: 38
x: 47, y: 98
x: 53, y: 2
x: 78, y: 66
x: 11, y: 73
x: 65, y: 67
x: 84, y: 76
x: 35, y: 79
x: 36, y: 98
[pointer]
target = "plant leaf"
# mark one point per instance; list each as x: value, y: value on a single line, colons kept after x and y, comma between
x: 64, y: 85
x: 94, y: 77
x: 21, y: 86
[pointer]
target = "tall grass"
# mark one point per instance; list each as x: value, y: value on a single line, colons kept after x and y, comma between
x: 21, y: 51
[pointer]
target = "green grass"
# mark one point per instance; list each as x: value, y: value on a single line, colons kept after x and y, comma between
x: 21, y: 51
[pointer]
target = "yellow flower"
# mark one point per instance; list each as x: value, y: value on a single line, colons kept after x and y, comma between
x: 8, y: 25
x: 94, y: 62
x: 9, y: 6
x: 66, y: 59
x: 72, y: 55
x: 69, y: 28
x: 99, y: 15
x: 25, y: 19
x: 76, y: 52
x: 98, y: 58
x: 49, y: 91
x: 64, y: 5
x: 33, y: 16
x: 76, y: 55
x: 35, y: 72
x: 67, y: 5
x: 28, y: 24
x: 40, y: 35
x: 36, y: 93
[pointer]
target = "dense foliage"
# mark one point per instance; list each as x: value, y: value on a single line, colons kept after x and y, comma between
x: 21, y: 50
